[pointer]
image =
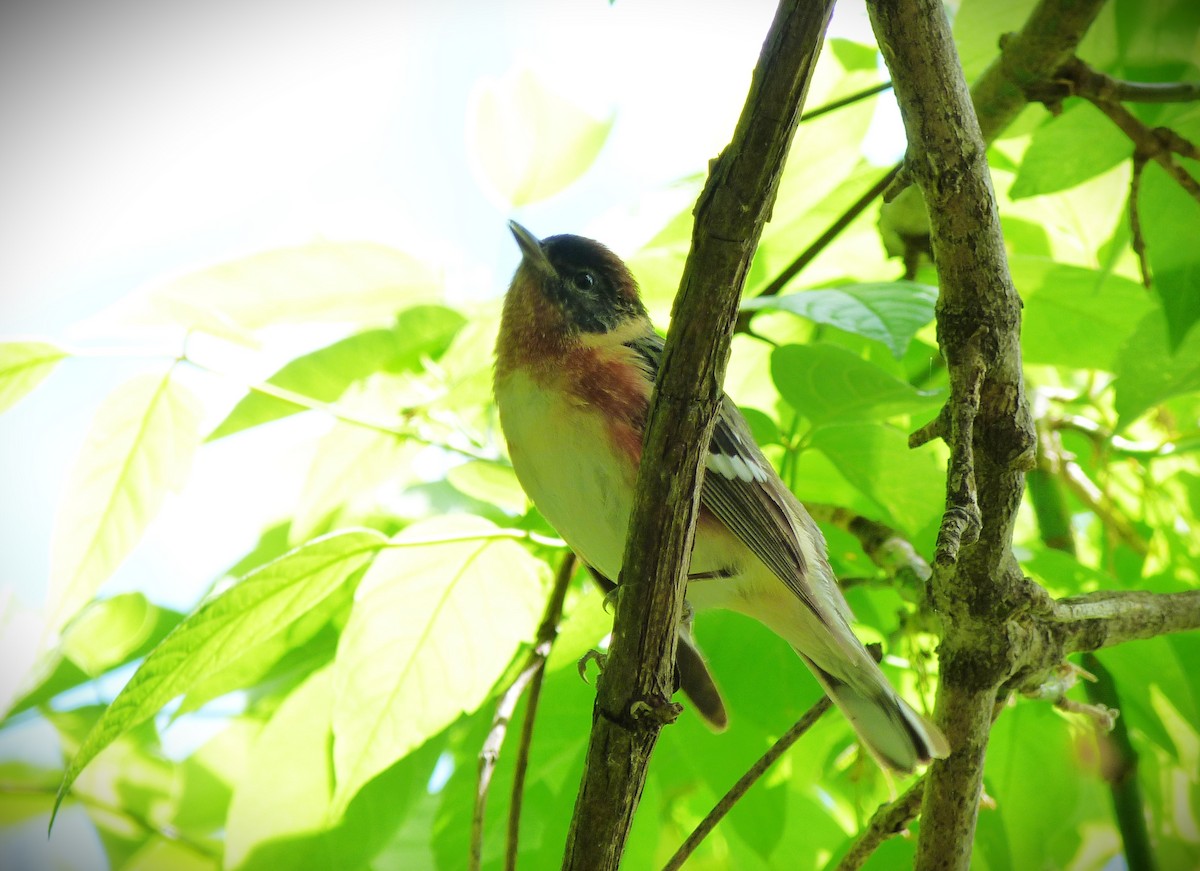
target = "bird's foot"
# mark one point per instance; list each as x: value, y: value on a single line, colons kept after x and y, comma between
x: 591, y: 656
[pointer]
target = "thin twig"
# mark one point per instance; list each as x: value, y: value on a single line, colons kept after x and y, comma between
x: 1078, y: 79
x: 846, y: 101
x: 547, y: 633
x: 887, y: 821
x: 490, y: 753
x: 337, y: 412
x: 1135, y: 220
x: 1159, y: 144
x: 1154, y: 143
x: 1096, y: 501
x: 831, y: 232
x: 884, y: 546
x: 745, y: 782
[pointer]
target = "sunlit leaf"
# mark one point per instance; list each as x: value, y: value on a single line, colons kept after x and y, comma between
x: 828, y: 384
x: 909, y: 485
x: 491, y: 483
x: 1074, y: 316
x: 1148, y: 373
x: 23, y: 365
x: 528, y: 142
x: 978, y: 25
x: 322, y: 282
x: 1039, y: 811
x: 433, y: 627
x: 1171, y: 224
x: 1079, y: 144
x: 106, y: 632
x: 138, y: 449
x: 262, y: 605
x: 350, y: 468
x: 280, y: 813
x: 325, y: 374
x: 890, y: 312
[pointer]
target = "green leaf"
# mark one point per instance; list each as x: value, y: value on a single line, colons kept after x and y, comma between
x: 907, y: 484
x: 978, y: 26
x: 139, y: 448
x: 828, y: 384
x: 1067, y: 150
x: 322, y: 282
x: 433, y: 627
x: 529, y: 143
x: 279, y: 816
x: 23, y: 365
x: 888, y: 312
x: 1171, y: 225
x: 350, y: 467
x: 492, y: 483
x: 106, y: 632
x: 324, y: 375
x: 1148, y: 373
x: 62, y: 673
x: 251, y: 612
x: 1075, y: 316
x: 1033, y: 773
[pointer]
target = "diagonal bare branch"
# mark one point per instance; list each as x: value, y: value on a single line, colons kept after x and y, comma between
x: 633, y: 703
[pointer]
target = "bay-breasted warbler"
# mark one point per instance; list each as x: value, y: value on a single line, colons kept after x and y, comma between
x: 576, y: 361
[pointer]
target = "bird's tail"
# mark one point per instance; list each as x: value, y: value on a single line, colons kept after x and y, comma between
x: 892, y: 731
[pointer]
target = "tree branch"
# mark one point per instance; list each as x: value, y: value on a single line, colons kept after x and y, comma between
x: 978, y: 315
x: 490, y: 753
x: 546, y: 635
x: 887, y: 821
x: 885, y: 547
x: 747, y: 780
x: 1032, y: 55
x: 1107, y: 618
x: 633, y: 696
x: 1158, y: 144
x: 1077, y: 79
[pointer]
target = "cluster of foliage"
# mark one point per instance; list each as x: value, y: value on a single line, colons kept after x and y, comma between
x: 366, y: 636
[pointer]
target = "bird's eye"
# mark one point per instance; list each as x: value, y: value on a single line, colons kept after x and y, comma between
x: 584, y: 281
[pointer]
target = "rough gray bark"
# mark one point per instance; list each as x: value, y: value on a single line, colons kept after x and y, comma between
x: 633, y: 698
x: 977, y: 583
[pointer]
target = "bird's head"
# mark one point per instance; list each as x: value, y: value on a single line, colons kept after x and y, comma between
x: 574, y: 285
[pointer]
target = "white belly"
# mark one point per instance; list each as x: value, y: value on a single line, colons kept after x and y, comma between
x: 568, y: 466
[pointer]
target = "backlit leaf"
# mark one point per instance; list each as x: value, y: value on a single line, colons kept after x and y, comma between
x: 251, y: 612
x: 1148, y: 373
x: 325, y: 374
x: 908, y: 484
x: 322, y: 282
x: 1069, y: 149
x: 828, y: 384
x: 139, y: 448
x: 528, y: 142
x: 888, y: 312
x: 23, y: 365
x: 1171, y: 223
x: 1075, y: 316
x: 433, y: 628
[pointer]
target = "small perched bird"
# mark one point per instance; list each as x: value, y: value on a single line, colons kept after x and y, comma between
x: 576, y: 361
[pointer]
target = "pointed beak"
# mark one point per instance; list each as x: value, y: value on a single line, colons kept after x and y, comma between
x: 532, y: 251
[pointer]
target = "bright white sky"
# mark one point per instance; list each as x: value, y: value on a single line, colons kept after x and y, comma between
x: 144, y: 139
